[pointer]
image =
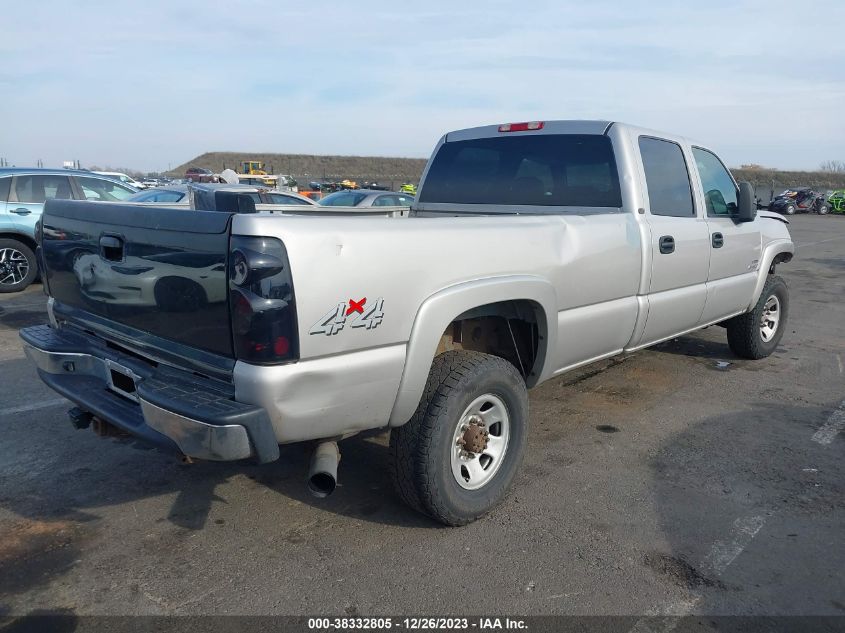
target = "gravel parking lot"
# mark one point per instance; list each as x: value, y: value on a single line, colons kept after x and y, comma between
x: 680, y: 479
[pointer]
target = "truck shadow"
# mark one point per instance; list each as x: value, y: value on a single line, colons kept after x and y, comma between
x: 70, y: 489
x: 698, y: 345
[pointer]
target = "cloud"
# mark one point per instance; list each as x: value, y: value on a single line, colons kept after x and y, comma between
x: 148, y: 84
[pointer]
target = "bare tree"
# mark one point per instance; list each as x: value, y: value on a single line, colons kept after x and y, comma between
x: 833, y: 166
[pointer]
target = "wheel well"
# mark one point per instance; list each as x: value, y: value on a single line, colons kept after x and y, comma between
x: 26, y: 239
x: 509, y: 329
x: 780, y: 258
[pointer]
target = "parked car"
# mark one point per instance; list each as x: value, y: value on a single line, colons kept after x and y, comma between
x: 199, y: 174
x: 172, y: 193
x: 802, y: 200
x: 126, y: 180
x: 22, y: 196
x: 367, y: 198
x: 149, y: 182
x: 532, y: 249
x: 178, y: 194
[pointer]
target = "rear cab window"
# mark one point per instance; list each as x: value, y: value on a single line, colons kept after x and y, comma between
x: 542, y: 170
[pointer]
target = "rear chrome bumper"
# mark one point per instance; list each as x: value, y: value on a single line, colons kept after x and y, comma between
x: 165, y: 408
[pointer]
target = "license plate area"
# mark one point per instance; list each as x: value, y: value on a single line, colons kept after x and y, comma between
x: 121, y: 380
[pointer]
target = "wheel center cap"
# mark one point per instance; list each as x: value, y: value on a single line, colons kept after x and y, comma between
x: 474, y: 437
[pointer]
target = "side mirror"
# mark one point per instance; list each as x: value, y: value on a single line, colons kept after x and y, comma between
x: 747, y: 208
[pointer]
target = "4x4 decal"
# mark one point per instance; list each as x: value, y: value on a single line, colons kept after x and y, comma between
x: 354, y: 314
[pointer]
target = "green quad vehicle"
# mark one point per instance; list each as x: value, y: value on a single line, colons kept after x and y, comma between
x: 836, y: 199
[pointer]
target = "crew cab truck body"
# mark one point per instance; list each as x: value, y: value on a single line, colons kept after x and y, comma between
x: 532, y: 249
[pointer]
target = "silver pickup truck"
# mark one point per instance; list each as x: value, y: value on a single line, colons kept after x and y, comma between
x: 532, y: 249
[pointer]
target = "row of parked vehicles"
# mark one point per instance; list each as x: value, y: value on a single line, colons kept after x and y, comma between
x: 23, y: 193
x: 807, y: 200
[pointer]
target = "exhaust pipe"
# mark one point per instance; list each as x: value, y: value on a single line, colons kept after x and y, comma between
x: 322, y: 474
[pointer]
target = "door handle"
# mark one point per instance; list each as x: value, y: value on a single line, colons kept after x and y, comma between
x: 667, y: 244
x: 111, y: 248
x: 20, y: 211
x: 718, y: 240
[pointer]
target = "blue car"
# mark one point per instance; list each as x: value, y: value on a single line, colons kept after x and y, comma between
x: 23, y: 193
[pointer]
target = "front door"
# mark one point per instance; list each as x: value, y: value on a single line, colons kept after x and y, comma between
x: 735, y: 247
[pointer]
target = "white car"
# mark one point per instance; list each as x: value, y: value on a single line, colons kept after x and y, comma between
x: 127, y: 180
x: 170, y: 281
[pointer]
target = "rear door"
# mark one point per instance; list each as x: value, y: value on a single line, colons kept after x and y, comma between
x: 28, y: 195
x: 679, y: 242
x: 735, y: 247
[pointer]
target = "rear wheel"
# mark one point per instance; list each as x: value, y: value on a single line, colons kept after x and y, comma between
x: 824, y: 209
x: 756, y: 334
x: 456, y: 458
x: 790, y: 209
x: 18, y: 267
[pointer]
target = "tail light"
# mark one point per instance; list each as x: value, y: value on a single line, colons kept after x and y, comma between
x: 261, y: 301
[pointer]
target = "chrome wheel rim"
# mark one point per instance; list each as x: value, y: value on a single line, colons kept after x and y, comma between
x: 480, y: 442
x: 770, y: 319
x: 14, y: 266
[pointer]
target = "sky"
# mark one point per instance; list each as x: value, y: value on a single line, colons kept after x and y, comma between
x: 149, y: 85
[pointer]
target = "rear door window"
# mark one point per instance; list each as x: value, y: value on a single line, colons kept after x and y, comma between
x: 37, y: 189
x: 667, y: 179
x: 5, y: 185
x: 560, y: 170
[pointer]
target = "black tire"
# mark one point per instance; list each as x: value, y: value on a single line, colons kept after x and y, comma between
x: 745, y: 335
x: 10, y: 271
x: 421, y: 449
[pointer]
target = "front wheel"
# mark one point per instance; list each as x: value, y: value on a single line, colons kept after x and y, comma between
x: 456, y: 458
x: 18, y: 267
x: 757, y: 333
x: 824, y: 209
x: 790, y: 209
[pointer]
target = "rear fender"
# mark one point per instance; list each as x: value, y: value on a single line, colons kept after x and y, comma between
x: 443, y: 307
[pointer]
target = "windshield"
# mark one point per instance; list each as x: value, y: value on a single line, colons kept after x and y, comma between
x: 343, y: 199
x: 279, y: 198
x: 568, y: 170
x: 103, y: 190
